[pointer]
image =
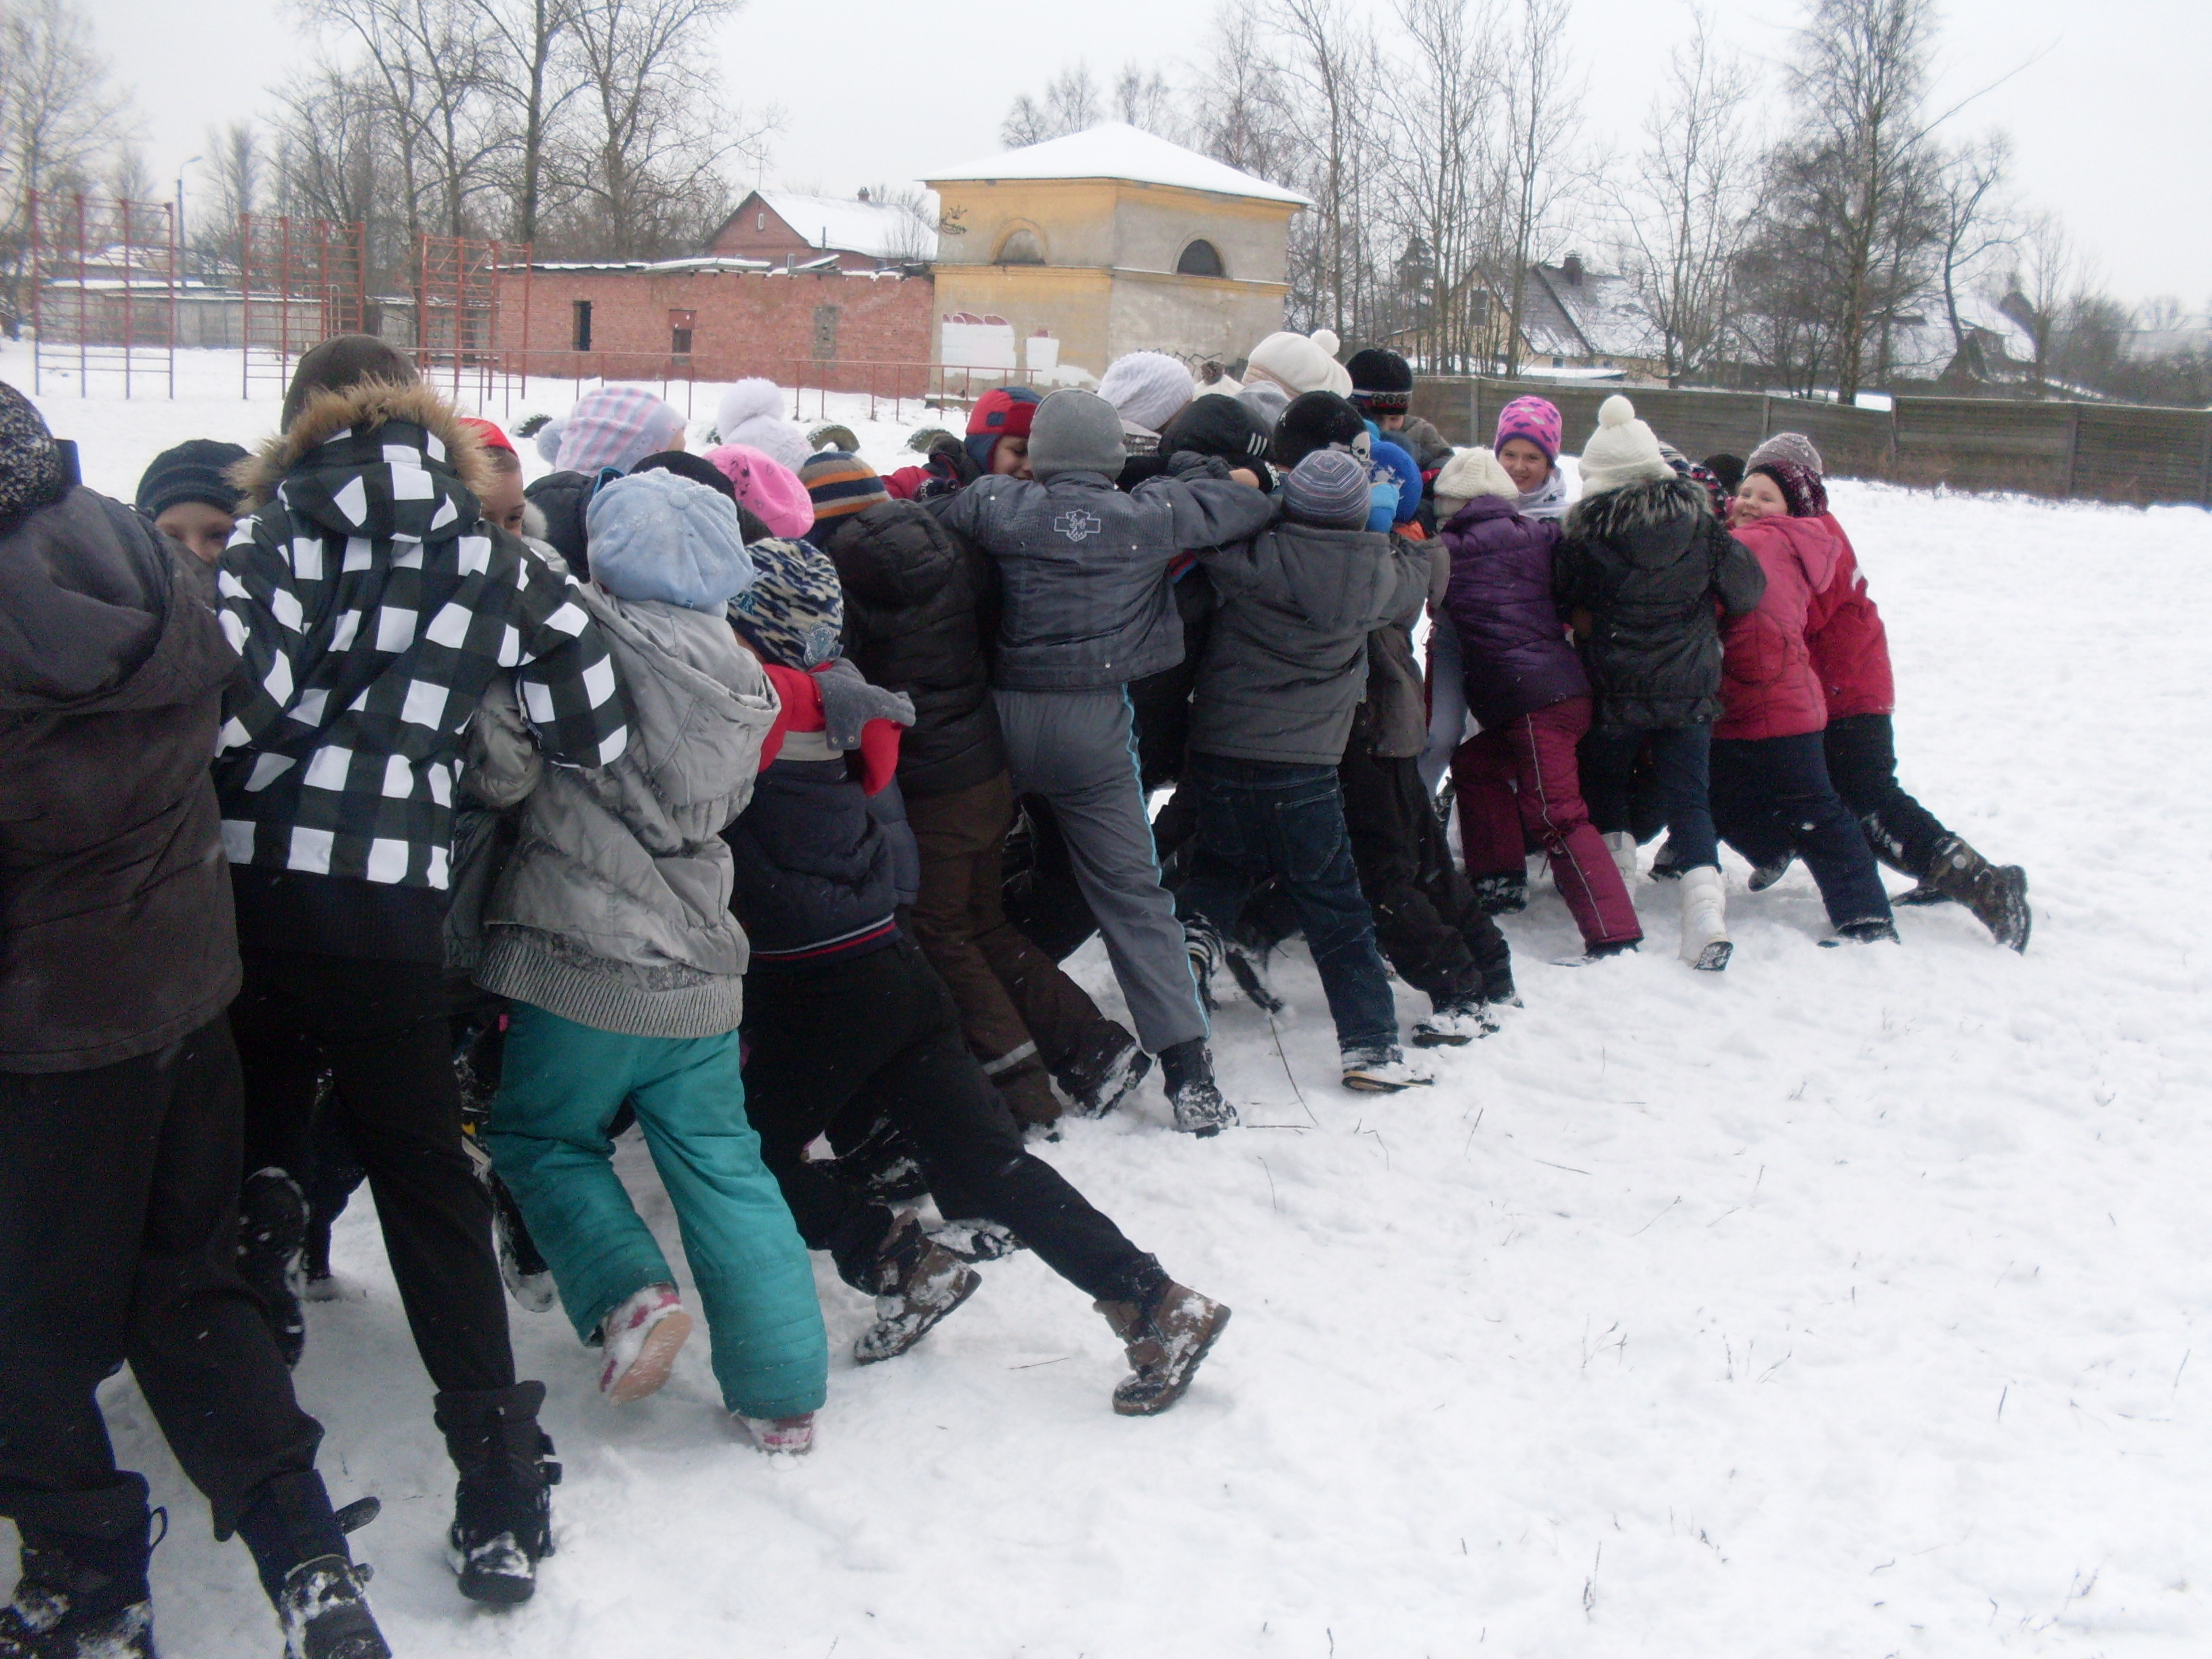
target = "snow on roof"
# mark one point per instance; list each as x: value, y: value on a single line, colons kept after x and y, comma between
x: 1596, y: 316
x: 882, y: 230
x: 1921, y: 346
x: 1118, y: 151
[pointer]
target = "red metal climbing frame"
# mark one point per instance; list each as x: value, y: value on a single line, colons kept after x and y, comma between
x: 103, y: 294
x: 458, y: 339
x: 299, y: 281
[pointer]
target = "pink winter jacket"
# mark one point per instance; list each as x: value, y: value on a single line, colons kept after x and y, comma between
x: 1768, y: 687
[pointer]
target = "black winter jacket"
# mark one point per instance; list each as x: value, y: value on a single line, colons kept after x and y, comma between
x: 814, y: 870
x: 116, y: 929
x: 919, y: 603
x: 1649, y: 563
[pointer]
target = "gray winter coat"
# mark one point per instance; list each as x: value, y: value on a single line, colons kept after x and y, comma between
x: 614, y: 909
x: 1084, y: 596
x: 1393, y: 720
x: 1285, y: 665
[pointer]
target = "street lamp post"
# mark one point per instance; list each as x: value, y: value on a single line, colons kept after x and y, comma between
x: 180, y: 201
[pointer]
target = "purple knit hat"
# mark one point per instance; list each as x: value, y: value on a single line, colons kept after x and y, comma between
x: 1801, y: 487
x: 1535, y: 419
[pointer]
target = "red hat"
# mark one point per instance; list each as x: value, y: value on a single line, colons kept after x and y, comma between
x: 1003, y: 412
x: 487, y: 434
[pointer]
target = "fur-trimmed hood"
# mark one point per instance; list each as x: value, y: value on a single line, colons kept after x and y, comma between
x: 364, y: 407
x: 1628, y: 517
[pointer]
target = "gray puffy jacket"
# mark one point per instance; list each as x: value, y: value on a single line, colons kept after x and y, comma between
x: 614, y: 909
x: 1285, y: 665
x: 1084, y: 598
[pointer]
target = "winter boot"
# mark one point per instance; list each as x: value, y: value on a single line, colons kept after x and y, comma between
x: 1663, y: 865
x: 1247, y: 967
x: 1202, y: 940
x: 973, y: 1239
x: 272, y: 1246
x: 1996, y: 893
x: 1704, y: 920
x: 1454, y: 1021
x: 1382, y: 1070
x: 1764, y: 875
x: 1108, y: 1063
x: 299, y: 1548
x: 1873, y: 930
x: 916, y: 1281
x: 1597, y: 953
x: 1621, y: 843
x: 785, y: 1436
x: 522, y: 1269
x: 80, y: 1597
x: 882, y: 1169
x: 1028, y: 1096
x: 1497, y: 990
x: 503, y: 1505
x: 1167, y: 1339
x: 1187, y: 1073
x: 1502, y: 896
x: 642, y: 1335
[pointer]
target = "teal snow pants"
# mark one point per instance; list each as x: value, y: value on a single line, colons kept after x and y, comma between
x: 561, y: 1085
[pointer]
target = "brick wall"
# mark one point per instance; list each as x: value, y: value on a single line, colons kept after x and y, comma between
x: 788, y: 328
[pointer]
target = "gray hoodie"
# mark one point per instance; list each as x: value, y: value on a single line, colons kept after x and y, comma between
x: 1285, y: 665
x: 614, y: 909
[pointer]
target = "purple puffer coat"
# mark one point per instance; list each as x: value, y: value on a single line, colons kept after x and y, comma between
x: 1499, y: 598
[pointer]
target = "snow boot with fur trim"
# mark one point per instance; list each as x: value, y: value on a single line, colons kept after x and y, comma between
x: 272, y: 1249
x: 80, y: 1598
x: 503, y: 1503
x: 643, y: 1334
x: 917, y: 1282
x: 1706, y: 942
x: 1167, y: 1338
x: 1105, y: 1065
x: 1187, y: 1073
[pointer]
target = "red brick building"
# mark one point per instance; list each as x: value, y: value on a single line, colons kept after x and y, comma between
x: 720, y: 319
x: 780, y: 225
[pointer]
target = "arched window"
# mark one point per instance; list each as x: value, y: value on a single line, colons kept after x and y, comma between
x: 1021, y: 247
x: 1200, y: 258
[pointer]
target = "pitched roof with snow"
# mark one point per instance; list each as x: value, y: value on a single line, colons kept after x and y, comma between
x: 1118, y: 151
x: 882, y: 230
x: 1598, y: 316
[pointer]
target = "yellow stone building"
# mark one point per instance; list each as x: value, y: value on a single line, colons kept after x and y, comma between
x: 1104, y: 242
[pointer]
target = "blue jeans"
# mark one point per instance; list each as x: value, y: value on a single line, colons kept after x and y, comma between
x: 1256, y: 820
x: 1680, y: 767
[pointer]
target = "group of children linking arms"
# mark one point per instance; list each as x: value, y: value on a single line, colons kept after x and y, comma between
x: 677, y: 790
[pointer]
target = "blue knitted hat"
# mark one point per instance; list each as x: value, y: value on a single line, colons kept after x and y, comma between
x: 660, y: 536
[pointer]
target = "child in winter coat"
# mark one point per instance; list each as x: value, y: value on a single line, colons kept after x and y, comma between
x: 1770, y: 770
x: 1643, y: 555
x: 188, y: 494
x: 916, y: 604
x: 1851, y: 654
x: 997, y: 446
x: 1283, y: 671
x: 841, y: 1010
x: 1086, y: 608
x: 1527, y: 445
x: 1517, y: 775
x: 610, y: 930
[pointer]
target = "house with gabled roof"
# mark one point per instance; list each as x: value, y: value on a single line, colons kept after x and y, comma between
x: 785, y: 227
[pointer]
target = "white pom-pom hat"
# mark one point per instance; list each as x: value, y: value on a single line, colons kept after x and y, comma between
x: 1623, y: 450
x: 1301, y: 363
x: 1470, y: 473
x: 751, y: 413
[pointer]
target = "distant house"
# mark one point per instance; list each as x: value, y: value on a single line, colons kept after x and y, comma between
x: 1997, y: 348
x: 1574, y: 319
x: 779, y: 227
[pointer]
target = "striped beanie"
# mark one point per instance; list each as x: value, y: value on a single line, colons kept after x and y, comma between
x: 840, y: 484
x: 1329, y: 489
x: 616, y: 426
x: 794, y: 614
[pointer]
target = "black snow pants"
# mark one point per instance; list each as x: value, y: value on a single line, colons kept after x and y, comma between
x: 381, y: 1030
x: 881, y: 1031
x: 1861, y: 756
x: 118, y: 1240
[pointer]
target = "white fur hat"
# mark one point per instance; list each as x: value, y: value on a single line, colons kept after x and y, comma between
x: 1302, y: 363
x: 1149, y: 388
x: 1622, y: 451
x: 751, y: 413
x: 1470, y: 473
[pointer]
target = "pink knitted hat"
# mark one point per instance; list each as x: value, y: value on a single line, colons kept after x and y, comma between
x: 766, y: 485
x: 1535, y: 419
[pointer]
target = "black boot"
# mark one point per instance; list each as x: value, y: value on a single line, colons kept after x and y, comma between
x: 299, y: 1548
x: 1106, y: 1065
x: 80, y: 1598
x: 503, y: 1505
x: 272, y: 1245
x: 1187, y: 1073
x: 1501, y: 895
x: 1996, y: 893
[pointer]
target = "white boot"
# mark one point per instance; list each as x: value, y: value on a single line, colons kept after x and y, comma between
x: 1705, y: 919
x: 1622, y: 845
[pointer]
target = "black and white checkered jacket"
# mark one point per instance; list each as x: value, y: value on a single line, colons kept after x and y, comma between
x: 370, y: 606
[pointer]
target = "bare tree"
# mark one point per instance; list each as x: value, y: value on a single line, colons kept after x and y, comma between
x: 1334, y: 69
x: 1143, y: 98
x: 528, y: 77
x: 1971, y: 228
x: 129, y: 178
x: 236, y: 165
x: 1448, y: 108
x: 1070, y: 104
x: 333, y: 157
x: 1684, y: 204
x: 1543, y: 119
x: 60, y: 116
x: 2049, y: 278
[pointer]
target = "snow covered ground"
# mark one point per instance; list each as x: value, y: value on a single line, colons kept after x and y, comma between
x: 1845, y: 1304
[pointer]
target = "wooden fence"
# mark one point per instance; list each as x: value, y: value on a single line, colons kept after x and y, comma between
x: 2097, y: 452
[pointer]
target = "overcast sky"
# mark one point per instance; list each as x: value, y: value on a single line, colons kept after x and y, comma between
x: 2112, y: 118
